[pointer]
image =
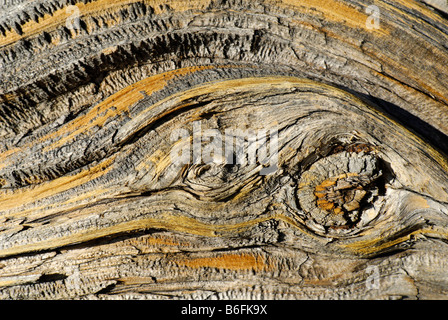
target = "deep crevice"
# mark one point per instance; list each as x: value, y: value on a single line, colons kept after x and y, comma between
x: 51, y: 277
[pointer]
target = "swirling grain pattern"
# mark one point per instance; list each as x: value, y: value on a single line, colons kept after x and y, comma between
x: 313, y: 148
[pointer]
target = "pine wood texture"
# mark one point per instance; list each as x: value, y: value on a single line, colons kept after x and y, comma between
x: 94, y: 206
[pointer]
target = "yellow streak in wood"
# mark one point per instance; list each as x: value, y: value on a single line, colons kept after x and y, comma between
x: 335, y: 11
x: 418, y: 7
x: 371, y: 246
x: 9, y: 97
x: 230, y: 261
x: 98, y: 7
x: 29, y: 195
x: 157, y: 161
x: 116, y: 104
x: 12, y: 229
x: 338, y: 211
x: 325, y: 205
x: 165, y: 221
x: 85, y: 196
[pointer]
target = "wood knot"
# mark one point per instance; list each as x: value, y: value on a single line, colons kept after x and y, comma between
x: 334, y: 190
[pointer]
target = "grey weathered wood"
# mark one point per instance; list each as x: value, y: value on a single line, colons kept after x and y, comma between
x: 93, y: 204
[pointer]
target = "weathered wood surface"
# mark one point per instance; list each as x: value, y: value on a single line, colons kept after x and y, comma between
x: 93, y: 204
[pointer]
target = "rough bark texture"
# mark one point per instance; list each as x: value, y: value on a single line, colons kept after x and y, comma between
x: 93, y: 206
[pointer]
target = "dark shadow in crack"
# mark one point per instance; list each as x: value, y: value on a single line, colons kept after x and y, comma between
x: 422, y: 129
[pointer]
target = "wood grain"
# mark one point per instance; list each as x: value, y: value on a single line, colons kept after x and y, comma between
x: 93, y: 205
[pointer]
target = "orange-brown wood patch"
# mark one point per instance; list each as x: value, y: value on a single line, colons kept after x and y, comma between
x: 242, y: 261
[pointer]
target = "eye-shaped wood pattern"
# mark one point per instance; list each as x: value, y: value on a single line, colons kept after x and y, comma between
x: 226, y: 149
x: 335, y: 190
